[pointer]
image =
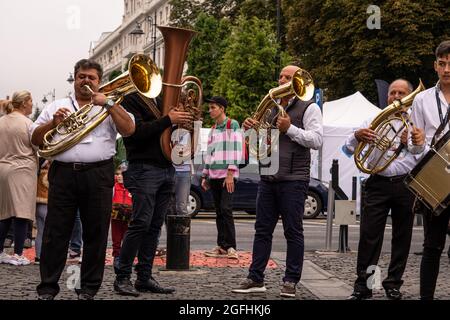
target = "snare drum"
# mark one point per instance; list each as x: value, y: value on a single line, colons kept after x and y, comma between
x: 430, y: 178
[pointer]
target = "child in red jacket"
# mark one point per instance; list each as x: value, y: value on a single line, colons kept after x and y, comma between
x: 121, y: 214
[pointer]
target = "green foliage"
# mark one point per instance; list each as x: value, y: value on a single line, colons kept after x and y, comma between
x: 332, y: 41
x: 184, y: 13
x: 114, y: 74
x: 246, y: 72
x: 207, y: 50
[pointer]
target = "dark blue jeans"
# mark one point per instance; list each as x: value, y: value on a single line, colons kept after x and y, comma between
x: 285, y: 198
x: 151, y: 188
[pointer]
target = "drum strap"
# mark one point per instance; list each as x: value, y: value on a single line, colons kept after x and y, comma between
x: 444, y: 120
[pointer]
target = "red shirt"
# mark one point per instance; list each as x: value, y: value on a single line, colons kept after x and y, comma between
x: 121, y: 195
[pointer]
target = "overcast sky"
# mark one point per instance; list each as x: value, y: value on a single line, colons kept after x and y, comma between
x: 40, y: 41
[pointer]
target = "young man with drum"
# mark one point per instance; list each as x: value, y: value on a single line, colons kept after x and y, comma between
x: 430, y: 114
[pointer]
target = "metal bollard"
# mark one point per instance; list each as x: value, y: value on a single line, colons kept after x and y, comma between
x: 178, y: 242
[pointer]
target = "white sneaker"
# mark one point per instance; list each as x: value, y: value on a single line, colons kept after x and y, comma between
x: 17, y: 260
x: 217, y: 252
x: 232, y: 254
x: 4, y: 257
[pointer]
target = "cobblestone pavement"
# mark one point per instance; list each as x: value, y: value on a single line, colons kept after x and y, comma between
x: 200, y: 283
x: 209, y: 282
x: 343, y: 266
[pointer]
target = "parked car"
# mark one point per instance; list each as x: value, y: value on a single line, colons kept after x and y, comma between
x: 244, y: 198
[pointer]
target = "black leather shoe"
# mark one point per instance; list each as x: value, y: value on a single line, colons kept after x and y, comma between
x: 151, y: 285
x: 124, y: 287
x: 85, y: 296
x: 45, y: 296
x: 393, y: 294
x: 358, y: 295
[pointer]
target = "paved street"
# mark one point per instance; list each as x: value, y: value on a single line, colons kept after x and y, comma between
x: 327, y: 275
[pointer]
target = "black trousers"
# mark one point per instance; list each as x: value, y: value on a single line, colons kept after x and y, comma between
x: 88, y: 190
x: 223, y: 202
x: 435, y: 230
x: 380, y: 195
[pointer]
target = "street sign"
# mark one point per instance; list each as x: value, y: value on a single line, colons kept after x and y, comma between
x: 318, y: 97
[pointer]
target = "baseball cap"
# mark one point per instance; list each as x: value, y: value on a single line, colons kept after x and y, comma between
x: 218, y: 100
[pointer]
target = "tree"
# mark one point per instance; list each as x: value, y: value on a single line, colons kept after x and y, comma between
x: 207, y: 50
x: 114, y: 74
x: 246, y: 72
x: 332, y: 40
x: 184, y: 13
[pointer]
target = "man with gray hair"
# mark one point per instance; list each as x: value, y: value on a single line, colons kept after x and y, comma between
x: 384, y: 192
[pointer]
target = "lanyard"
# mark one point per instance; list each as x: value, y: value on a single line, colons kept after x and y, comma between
x: 443, y: 120
x: 76, y: 109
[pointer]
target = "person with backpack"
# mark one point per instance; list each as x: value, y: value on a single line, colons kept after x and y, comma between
x: 224, y: 152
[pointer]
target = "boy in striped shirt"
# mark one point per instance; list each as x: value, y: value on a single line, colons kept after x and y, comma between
x: 224, y: 154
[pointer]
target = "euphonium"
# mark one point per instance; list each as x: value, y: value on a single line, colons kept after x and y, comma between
x: 142, y: 76
x: 176, y: 43
x: 301, y: 86
x: 376, y: 156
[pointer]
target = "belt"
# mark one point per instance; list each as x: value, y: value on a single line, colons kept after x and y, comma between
x: 391, y: 179
x: 80, y: 166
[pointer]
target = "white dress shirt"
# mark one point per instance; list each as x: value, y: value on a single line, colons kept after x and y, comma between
x: 403, y: 164
x: 98, y: 145
x: 311, y: 136
x: 425, y: 115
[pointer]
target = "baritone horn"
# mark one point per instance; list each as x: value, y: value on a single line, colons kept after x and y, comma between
x: 142, y: 76
x: 268, y: 111
x: 376, y: 156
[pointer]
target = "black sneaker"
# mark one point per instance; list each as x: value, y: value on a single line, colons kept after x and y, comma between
x: 151, y: 285
x: 124, y: 287
x: 46, y: 296
x: 250, y: 286
x: 85, y: 296
x: 358, y: 295
x: 393, y: 294
x: 288, y: 290
x: 37, y: 260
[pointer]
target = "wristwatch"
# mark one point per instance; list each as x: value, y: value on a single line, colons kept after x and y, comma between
x: 109, y: 104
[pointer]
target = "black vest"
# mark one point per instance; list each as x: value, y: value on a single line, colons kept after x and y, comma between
x: 294, y: 159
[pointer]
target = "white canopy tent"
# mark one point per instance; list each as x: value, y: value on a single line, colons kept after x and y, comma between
x: 340, y: 118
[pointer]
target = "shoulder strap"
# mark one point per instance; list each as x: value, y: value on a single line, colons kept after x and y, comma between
x: 440, y: 128
x: 150, y: 103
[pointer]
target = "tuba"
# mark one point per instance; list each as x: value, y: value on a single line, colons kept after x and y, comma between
x: 176, y: 42
x: 301, y: 85
x: 142, y: 76
x: 378, y: 155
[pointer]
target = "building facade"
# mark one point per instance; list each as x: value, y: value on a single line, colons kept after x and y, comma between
x: 114, y: 49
